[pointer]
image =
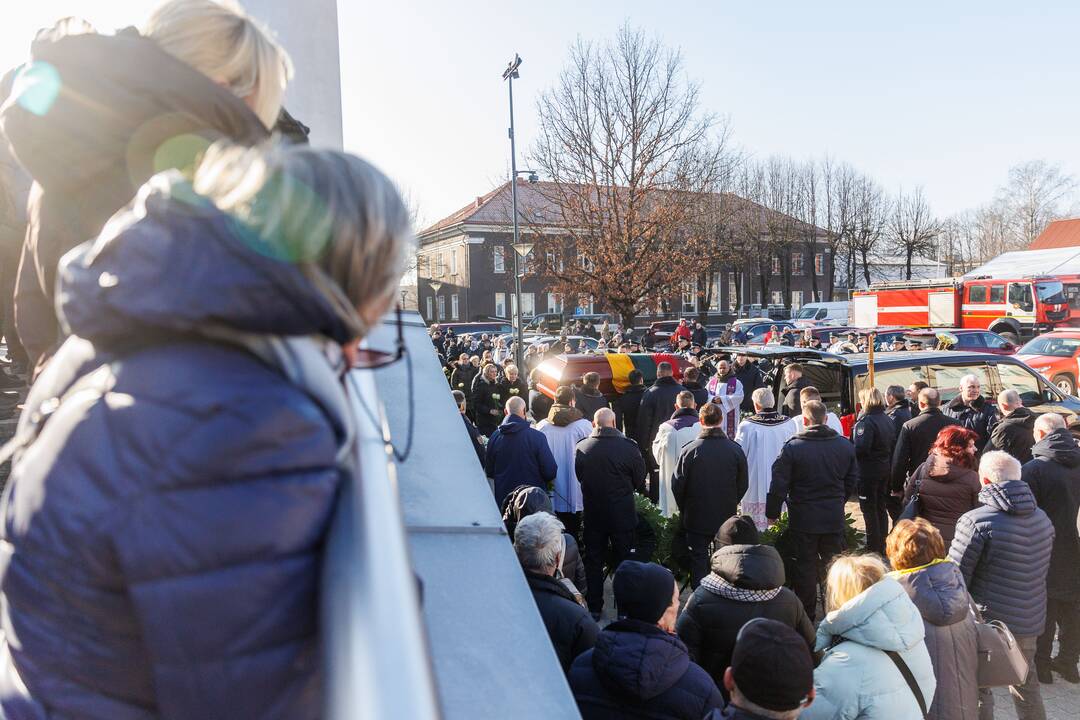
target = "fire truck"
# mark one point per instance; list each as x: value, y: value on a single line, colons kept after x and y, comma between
x: 1015, y: 308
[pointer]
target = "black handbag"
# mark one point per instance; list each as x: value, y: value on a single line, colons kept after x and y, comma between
x: 911, y: 510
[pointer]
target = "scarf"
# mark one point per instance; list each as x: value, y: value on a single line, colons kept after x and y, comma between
x: 719, y: 586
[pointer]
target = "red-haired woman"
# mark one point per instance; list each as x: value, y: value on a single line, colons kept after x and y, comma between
x: 946, y: 482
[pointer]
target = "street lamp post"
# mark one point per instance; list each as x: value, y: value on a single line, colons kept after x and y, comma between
x: 509, y: 75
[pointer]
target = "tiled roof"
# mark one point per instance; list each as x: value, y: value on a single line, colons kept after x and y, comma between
x: 1058, y: 234
x: 534, y: 203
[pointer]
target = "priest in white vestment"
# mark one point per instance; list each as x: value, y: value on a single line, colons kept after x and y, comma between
x: 726, y: 391
x: 762, y: 436
x: 682, y: 428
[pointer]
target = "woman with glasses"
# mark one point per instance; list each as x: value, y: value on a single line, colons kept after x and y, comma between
x: 180, y: 457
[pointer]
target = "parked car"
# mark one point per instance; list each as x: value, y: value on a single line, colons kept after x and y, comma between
x: 545, y: 323
x: 821, y: 313
x: 576, y: 341
x: 839, y: 378
x: 471, y: 328
x: 972, y: 340
x: 1056, y: 356
x: 658, y: 335
x: 754, y: 333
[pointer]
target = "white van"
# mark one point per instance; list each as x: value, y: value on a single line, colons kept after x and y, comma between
x: 822, y: 313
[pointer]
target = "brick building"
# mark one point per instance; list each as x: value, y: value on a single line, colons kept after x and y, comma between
x: 469, y: 254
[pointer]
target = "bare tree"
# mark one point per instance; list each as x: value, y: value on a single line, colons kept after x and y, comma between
x: 912, y: 226
x: 629, y: 154
x: 1036, y: 193
x: 869, y: 219
x: 837, y: 183
x: 805, y: 207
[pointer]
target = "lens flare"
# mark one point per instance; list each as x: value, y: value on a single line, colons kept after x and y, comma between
x: 37, y: 87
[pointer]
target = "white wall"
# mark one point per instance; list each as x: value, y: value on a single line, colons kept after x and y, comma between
x: 309, y: 31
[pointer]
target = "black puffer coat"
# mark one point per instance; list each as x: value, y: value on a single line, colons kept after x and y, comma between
x: 487, y: 404
x: 1054, y: 477
x: 710, y: 478
x: 637, y: 670
x: 107, y: 130
x: 1015, y: 434
x: 570, y: 627
x: 714, y: 614
x: 874, y: 442
x: 1003, y: 549
x: 979, y: 417
x: 815, y: 474
x: 793, y: 400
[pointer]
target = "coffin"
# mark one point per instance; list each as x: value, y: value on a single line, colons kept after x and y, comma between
x: 613, y: 368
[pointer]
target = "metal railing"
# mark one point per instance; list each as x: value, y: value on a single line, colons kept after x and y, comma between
x: 375, y: 647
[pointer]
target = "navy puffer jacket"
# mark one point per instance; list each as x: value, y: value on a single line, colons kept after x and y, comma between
x: 163, y: 532
x: 1003, y: 550
x: 637, y: 670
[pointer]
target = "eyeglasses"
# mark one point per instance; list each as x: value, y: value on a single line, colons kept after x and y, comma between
x: 374, y: 359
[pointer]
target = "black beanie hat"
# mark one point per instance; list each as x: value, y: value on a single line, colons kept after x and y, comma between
x: 771, y: 665
x: 642, y: 591
x: 737, y: 530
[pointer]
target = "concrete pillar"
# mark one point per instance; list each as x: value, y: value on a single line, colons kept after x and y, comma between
x: 309, y: 31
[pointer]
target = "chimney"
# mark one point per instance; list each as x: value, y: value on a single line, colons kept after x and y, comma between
x: 479, y: 201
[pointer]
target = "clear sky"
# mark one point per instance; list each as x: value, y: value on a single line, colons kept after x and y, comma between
x: 943, y: 94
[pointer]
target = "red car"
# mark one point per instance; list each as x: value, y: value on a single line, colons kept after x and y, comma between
x: 969, y: 340
x: 1054, y: 356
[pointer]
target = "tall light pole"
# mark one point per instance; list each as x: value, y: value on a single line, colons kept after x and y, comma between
x: 509, y: 75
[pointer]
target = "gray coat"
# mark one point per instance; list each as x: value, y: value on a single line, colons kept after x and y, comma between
x: 939, y: 592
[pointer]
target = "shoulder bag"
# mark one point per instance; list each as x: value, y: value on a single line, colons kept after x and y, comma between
x: 911, y: 510
x: 1000, y: 660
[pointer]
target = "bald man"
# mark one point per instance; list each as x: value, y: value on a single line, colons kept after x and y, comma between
x: 610, y: 468
x: 517, y: 454
x: 1015, y: 431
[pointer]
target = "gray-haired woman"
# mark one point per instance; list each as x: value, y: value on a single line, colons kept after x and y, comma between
x: 184, y: 449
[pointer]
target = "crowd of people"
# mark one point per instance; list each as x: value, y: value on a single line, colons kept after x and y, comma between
x: 971, y: 522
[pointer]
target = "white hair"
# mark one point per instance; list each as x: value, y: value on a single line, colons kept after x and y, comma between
x: 332, y: 214
x: 1049, y: 422
x: 999, y: 467
x: 220, y: 40
x: 1009, y: 398
x: 969, y: 379
x: 539, y: 542
x: 763, y: 398
x: 515, y: 405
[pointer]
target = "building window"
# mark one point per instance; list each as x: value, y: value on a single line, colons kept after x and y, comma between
x: 819, y: 263
x: 757, y: 297
x: 554, y: 303
x: 453, y: 262
x: 714, y: 293
x: 732, y: 291
x: 554, y: 261
x: 500, y: 305
x: 777, y: 297
x: 428, y: 314
x: 442, y: 308
x: 776, y: 266
x: 796, y: 299
x: 500, y: 259
x: 528, y: 305
x: 689, y: 297
x: 438, y: 265
x: 454, y: 306
x: 796, y: 263
x: 818, y: 295
x: 584, y: 262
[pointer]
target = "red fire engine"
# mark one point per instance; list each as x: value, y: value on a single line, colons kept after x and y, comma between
x: 1016, y: 308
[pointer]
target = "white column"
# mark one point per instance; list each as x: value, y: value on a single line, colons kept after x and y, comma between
x: 309, y: 31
